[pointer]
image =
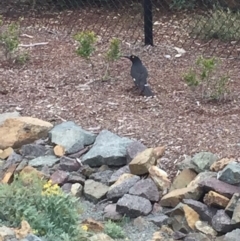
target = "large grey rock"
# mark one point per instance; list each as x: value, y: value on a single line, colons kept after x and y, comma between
x: 221, y: 222
x: 197, y: 237
x: 203, y: 161
x: 95, y: 191
x: 14, y: 158
x: 146, y: 188
x: 117, y: 191
x: 233, y: 235
x: 34, y: 150
x: 69, y: 164
x: 8, y: 115
x: 133, y: 206
x: 43, y: 161
x: 75, y: 177
x: 111, y: 213
x: 71, y: 136
x: 32, y: 237
x: 133, y: 149
x: 108, y: 149
x: 206, y: 213
x: 118, y: 173
x: 159, y: 220
x: 102, y: 176
x: 213, y: 184
x: 230, y: 174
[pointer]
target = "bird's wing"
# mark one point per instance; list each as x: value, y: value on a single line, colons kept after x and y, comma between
x: 139, y: 75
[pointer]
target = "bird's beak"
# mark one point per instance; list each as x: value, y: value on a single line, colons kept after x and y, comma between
x: 125, y: 56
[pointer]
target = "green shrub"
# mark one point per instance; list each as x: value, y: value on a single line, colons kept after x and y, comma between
x: 49, y: 211
x: 9, y: 39
x: 113, y: 230
x: 205, y: 78
x: 86, y: 41
x: 218, y: 24
x: 113, y: 54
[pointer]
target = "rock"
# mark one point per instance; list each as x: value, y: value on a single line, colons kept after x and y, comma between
x: 205, y: 228
x: 8, y: 175
x: 24, y: 230
x: 183, y: 179
x: 142, y: 162
x: 160, y: 177
x: 68, y: 164
x: 6, y: 233
x: 122, y: 186
x: 75, y: 177
x: 145, y: 188
x: 140, y: 223
x: 236, y: 213
x: 95, y: 191
x: 183, y: 218
x: 159, y: 220
x: 71, y: 137
x: 178, y: 235
x: 232, y: 203
x: 220, y: 164
x: 59, y: 150
x: 43, y: 161
x: 203, y: 161
x: 157, y: 208
x: 206, y: 213
x: 8, y: 115
x: 103, y: 168
x: 159, y: 151
x: 59, y: 177
x: 215, y: 200
x: 102, y: 176
x: 133, y: 149
x: 187, y: 164
x: 76, y: 189
x: 15, y: 132
x: 100, y: 237
x: 233, y: 235
x: 225, y: 189
x: 201, y: 177
x: 86, y: 170
x: 34, y: 150
x: 230, y: 174
x: 14, y: 158
x: 221, y: 222
x: 174, y: 197
x: 197, y: 237
x: 4, y: 154
x: 118, y: 173
x: 133, y: 206
x: 163, y: 235
x: 108, y: 149
x: 66, y: 187
x: 111, y: 213
x: 32, y: 237
x: 28, y: 170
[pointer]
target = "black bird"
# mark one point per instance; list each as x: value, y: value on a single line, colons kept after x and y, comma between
x: 139, y: 74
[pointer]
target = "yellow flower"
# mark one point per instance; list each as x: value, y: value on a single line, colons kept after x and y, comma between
x: 85, y: 227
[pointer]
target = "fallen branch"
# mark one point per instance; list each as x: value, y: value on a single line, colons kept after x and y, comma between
x: 32, y: 45
x: 26, y: 35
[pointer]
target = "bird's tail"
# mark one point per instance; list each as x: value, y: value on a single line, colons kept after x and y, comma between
x: 147, y: 91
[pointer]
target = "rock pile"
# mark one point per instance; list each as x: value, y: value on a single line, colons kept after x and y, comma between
x: 202, y: 202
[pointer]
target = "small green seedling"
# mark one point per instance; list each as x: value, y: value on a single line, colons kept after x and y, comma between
x: 112, y: 55
x: 9, y: 39
x: 86, y: 40
x: 205, y: 76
